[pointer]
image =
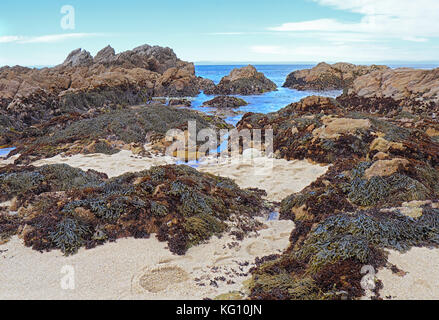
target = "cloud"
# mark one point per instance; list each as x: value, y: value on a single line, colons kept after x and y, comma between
x: 399, y: 19
x: 316, y: 25
x: 8, y: 39
x: 47, y: 38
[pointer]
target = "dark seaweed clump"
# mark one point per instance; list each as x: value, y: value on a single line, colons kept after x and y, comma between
x: 64, y: 208
x: 328, y: 264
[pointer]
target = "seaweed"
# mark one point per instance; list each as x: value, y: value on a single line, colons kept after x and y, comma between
x: 69, y: 235
x: 107, y: 130
x: 180, y: 204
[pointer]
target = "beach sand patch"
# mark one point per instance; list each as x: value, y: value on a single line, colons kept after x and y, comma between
x: 278, y: 177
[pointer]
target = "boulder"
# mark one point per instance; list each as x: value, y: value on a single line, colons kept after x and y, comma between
x: 225, y: 102
x: 405, y: 85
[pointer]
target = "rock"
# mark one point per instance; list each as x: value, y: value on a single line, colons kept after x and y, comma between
x: 78, y: 58
x: 381, y: 156
x: 243, y: 81
x: 324, y: 131
x: 314, y: 104
x: 206, y: 85
x: 328, y: 77
x: 31, y: 96
x: 382, y: 145
x: 225, y: 102
x: 180, y: 103
x: 106, y: 55
x: 334, y: 128
x: 110, y: 131
x: 384, y: 168
x: 411, y: 88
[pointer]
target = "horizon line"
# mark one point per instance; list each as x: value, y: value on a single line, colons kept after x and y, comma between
x: 225, y: 63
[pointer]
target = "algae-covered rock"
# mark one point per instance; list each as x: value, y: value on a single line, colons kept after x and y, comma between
x: 81, y: 83
x: 225, y: 102
x: 108, y: 132
x: 324, y: 130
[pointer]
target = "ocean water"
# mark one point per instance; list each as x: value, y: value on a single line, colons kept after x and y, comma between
x: 5, y: 151
x: 265, y: 103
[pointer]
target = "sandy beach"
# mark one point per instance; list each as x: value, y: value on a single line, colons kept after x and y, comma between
x: 418, y: 279
x: 146, y: 269
x: 138, y: 269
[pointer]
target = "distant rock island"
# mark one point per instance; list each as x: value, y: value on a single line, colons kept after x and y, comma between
x: 243, y: 81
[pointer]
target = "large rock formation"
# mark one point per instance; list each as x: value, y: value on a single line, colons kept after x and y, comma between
x: 243, y: 81
x: 328, y: 77
x: 30, y: 96
x: 416, y: 90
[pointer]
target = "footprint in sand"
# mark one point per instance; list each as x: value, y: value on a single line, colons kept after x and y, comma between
x: 155, y: 280
x: 258, y: 248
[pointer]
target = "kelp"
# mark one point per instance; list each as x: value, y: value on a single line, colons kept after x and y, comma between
x: 66, y: 209
x: 336, y: 250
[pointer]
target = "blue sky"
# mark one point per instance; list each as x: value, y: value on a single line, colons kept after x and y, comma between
x: 225, y: 30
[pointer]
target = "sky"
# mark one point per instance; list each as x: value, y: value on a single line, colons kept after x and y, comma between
x: 36, y: 33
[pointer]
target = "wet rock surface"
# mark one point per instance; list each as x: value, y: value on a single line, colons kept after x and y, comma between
x: 243, y: 81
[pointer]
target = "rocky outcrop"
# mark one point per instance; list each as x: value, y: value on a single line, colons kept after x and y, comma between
x: 413, y: 89
x: 225, y: 102
x: 108, y: 131
x: 179, y: 102
x: 323, y: 130
x: 243, y: 81
x: 381, y: 192
x: 328, y: 77
x: 82, y: 82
